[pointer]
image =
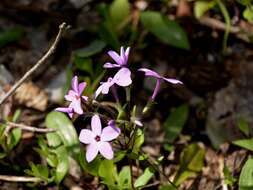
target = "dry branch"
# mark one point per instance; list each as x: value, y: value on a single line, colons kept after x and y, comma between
x: 51, y: 50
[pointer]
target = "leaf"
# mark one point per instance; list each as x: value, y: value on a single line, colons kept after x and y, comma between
x: 138, y: 141
x: 11, y: 35
x: 246, y: 176
x: 84, y: 64
x: 201, y: 7
x: 65, y: 130
x: 14, y: 138
x: 107, y: 171
x: 243, y: 126
x: 245, y: 143
x: 166, y: 30
x: 191, y: 162
x: 248, y: 13
x: 125, y: 178
x: 108, y: 35
x: 144, y: 178
x: 229, y: 179
x: 63, y: 164
x: 119, y: 11
x: 39, y: 171
x: 175, y: 122
x: 91, y: 167
x: 244, y: 2
x: 53, y: 139
x: 92, y: 49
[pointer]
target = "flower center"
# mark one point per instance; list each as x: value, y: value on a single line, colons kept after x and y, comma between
x: 77, y: 97
x: 97, y: 138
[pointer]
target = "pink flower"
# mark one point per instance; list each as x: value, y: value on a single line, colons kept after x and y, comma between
x: 121, y: 60
x: 98, y: 139
x: 159, y: 78
x: 74, y: 96
x: 121, y: 78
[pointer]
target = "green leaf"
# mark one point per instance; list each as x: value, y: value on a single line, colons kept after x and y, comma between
x: 245, y: 143
x: 14, y: 138
x: 248, y: 13
x: 144, y: 178
x: 119, y: 11
x: 63, y: 163
x: 246, y: 176
x: 65, y: 130
x: 53, y: 139
x: 201, y: 7
x: 175, y: 122
x: 91, y: 167
x: 168, y: 31
x: 229, y: 179
x: 245, y: 2
x: 92, y: 49
x: 191, y: 162
x: 39, y: 171
x: 108, y: 35
x: 243, y: 126
x: 84, y: 64
x: 125, y: 178
x: 138, y: 140
x: 11, y: 35
x: 108, y: 172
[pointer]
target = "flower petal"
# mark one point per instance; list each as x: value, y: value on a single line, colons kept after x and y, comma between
x: 109, y: 133
x: 74, y: 84
x: 76, y: 105
x: 98, y: 91
x: 106, y: 150
x: 87, y: 136
x: 150, y: 73
x: 173, y: 81
x: 123, y: 77
x: 70, y: 96
x: 127, y: 54
x: 96, y: 125
x: 81, y: 87
x: 110, y: 65
x: 85, y: 98
x: 65, y: 110
x: 115, y: 57
x: 92, y: 151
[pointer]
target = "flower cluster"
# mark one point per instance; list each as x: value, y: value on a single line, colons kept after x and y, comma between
x: 98, y: 139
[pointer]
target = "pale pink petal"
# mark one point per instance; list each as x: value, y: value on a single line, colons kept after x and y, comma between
x: 81, y: 87
x: 110, y: 65
x: 74, y: 84
x: 70, y: 96
x: 96, y: 125
x: 70, y: 114
x: 91, y: 151
x: 115, y: 57
x: 76, y: 105
x: 87, y: 136
x: 173, y: 81
x: 109, y: 133
x: 122, y: 54
x: 107, y: 85
x: 137, y: 122
x: 98, y: 91
x: 65, y: 110
x: 150, y: 73
x: 106, y: 150
x: 85, y: 98
x: 127, y: 54
x: 123, y: 77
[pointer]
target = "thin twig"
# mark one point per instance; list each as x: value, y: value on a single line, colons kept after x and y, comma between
x: 28, y: 128
x: 19, y: 178
x: 51, y: 50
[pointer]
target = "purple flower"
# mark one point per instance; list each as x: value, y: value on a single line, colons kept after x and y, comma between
x: 121, y: 60
x: 121, y: 78
x: 98, y: 139
x: 159, y: 78
x: 74, y: 96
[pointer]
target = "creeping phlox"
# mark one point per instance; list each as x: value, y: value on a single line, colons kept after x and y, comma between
x: 98, y: 139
